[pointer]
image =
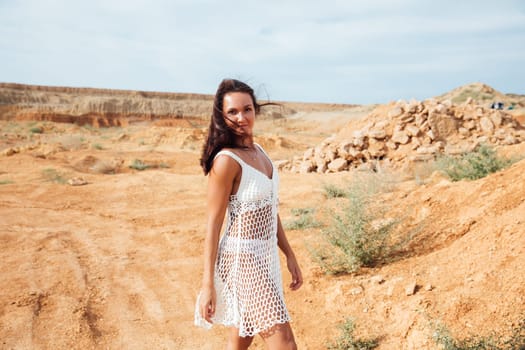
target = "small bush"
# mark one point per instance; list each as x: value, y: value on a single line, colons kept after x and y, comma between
x: 516, y: 341
x: 6, y: 182
x: 36, y: 130
x: 346, y: 340
x: 53, y: 175
x: 138, y: 164
x: 358, y: 236
x: 304, y: 218
x: 473, y: 165
x: 98, y: 146
x: 332, y: 191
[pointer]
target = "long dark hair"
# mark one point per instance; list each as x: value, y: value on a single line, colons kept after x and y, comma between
x: 220, y: 135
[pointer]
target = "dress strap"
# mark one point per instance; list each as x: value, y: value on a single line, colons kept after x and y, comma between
x: 263, y: 151
x: 231, y: 155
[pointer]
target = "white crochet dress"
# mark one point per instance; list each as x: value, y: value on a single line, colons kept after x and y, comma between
x: 247, y: 271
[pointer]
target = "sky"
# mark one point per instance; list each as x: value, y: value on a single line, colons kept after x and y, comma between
x: 331, y: 51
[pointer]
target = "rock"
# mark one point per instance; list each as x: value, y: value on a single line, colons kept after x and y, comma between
x: 469, y: 125
x: 356, y: 290
x: 486, y: 125
x: 407, y: 118
x: 420, y: 119
x: 442, y: 125
x: 321, y: 168
x: 306, y: 166
x: 428, y: 149
x: 9, y: 151
x: 355, y: 154
x: 464, y: 131
x: 456, y: 149
x: 509, y: 140
x: 412, y: 130
x: 410, y: 289
x: 309, y: 153
x: 391, y: 145
x: 395, y: 112
x: 77, y: 181
x: 358, y: 142
x: 376, y: 148
x: 337, y: 165
x: 377, y: 134
x: 496, y: 118
x: 377, y: 279
x: 281, y: 164
x: 400, y: 137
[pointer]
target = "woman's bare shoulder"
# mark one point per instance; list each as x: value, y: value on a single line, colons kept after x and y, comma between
x: 224, y: 165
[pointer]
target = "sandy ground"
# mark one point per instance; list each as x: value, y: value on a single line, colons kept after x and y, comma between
x: 116, y: 263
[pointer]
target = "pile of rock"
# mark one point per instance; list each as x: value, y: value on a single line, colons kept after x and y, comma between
x: 412, y: 131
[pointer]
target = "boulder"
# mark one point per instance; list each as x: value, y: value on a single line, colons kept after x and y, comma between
x: 486, y: 125
x: 395, y: 112
x: 400, y: 137
x: 337, y: 165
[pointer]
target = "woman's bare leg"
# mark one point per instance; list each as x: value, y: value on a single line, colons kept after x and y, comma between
x: 235, y: 342
x: 279, y: 337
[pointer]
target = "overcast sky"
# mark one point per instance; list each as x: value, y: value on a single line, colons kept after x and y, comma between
x: 312, y: 51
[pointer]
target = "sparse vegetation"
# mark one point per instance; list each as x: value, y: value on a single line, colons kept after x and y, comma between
x: 359, y: 235
x: 53, y: 175
x: 347, y: 341
x: 36, y: 130
x: 333, y: 191
x: 304, y: 218
x: 98, y: 146
x: 6, y: 182
x: 516, y: 341
x: 138, y: 164
x: 473, y: 165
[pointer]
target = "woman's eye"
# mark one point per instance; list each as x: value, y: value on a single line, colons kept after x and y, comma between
x: 232, y: 112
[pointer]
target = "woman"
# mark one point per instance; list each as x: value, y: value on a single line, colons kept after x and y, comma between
x: 241, y: 285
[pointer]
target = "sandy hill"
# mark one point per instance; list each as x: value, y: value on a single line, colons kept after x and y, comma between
x: 105, y: 107
x: 483, y: 95
x: 102, y: 228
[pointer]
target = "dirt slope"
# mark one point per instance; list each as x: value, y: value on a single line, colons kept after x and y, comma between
x: 116, y: 263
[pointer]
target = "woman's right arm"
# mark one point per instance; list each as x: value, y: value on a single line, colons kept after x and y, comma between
x: 220, y: 184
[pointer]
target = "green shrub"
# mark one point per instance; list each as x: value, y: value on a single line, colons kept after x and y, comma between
x: 36, y: 130
x: 332, y: 191
x: 6, y: 182
x: 138, y: 164
x: 346, y: 340
x: 516, y: 341
x: 358, y: 236
x: 473, y: 165
x: 304, y: 218
x: 98, y: 146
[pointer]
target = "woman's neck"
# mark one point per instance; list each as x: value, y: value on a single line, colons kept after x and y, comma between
x: 246, y: 143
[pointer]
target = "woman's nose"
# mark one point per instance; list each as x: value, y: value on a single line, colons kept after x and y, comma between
x: 240, y: 116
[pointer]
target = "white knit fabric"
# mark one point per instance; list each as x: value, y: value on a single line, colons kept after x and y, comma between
x: 247, y: 271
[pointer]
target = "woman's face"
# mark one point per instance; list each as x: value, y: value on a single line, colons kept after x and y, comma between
x: 239, y: 112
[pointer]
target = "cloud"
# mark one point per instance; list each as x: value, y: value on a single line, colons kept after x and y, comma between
x: 301, y: 49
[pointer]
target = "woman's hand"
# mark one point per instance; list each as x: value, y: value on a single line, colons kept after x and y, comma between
x: 297, y: 277
x: 207, y: 303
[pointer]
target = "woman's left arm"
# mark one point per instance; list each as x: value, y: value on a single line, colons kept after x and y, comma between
x: 291, y: 261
